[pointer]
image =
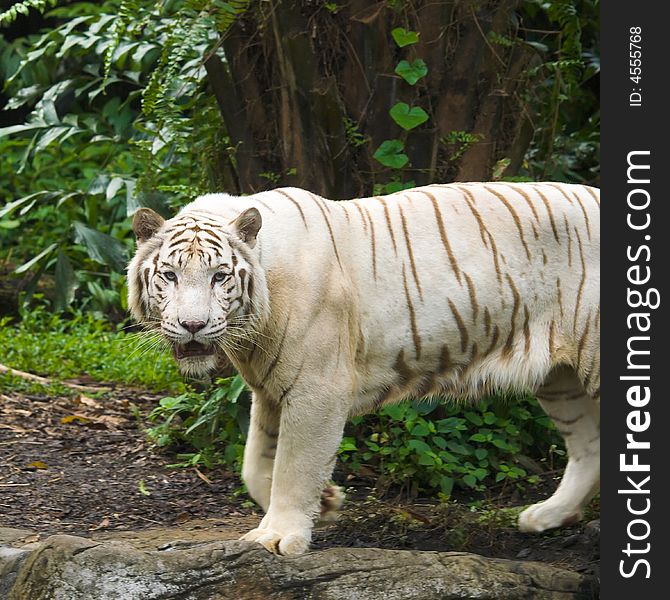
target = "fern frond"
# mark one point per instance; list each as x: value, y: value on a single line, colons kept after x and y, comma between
x: 24, y: 8
x: 565, y: 13
x: 225, y: 13
x: 128, y: 12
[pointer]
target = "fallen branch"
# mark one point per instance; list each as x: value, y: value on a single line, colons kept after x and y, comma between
x: 46, y: 381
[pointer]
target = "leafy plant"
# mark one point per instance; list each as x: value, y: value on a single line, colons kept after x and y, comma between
x: 403, y: 38
x: 561, y: 105
x: 213, y: 423
x: 390, y: 154
x: 408, y: 118
x: 111, y: 111
x: 23, y: 8
x: 419, y: 446
x: 459, y: 141
x: 430, y: 447
x: 353, y: 133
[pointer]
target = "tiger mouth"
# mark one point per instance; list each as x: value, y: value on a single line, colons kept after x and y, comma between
x: 192, y: 349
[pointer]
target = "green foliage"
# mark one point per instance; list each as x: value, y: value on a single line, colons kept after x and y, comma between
x: 213, y: 424
x: 55, y: 346
x: 353, y: 133
x: 428, y: 447
x: 119, y: 117
x: 419, y: 446
x: 24, y: 8
x: 412, y: 72
x: 563, y: 102
x: 403, y: 38
x: 459, y: 141
x: 408, y: 118
x: 390, y: 154
x: 393, y: 186
x: 501, y: 40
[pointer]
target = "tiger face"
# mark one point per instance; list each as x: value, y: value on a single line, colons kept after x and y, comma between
x: 191, y: 281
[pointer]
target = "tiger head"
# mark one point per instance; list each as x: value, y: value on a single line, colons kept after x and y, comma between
x: 192, y: 281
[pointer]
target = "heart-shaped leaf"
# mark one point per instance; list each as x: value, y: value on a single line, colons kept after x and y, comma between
x: 412, y: 72
x: 390, y: 154
x: 397, y: 186
x: 408, y: 118
x: 403, y: 37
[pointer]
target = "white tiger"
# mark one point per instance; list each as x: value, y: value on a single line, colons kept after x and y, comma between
x: 330, y: 309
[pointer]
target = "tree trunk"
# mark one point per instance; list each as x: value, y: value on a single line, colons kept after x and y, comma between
x: 305, y: 92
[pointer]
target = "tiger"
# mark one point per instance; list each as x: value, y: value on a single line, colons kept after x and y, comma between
x: 330, y: 309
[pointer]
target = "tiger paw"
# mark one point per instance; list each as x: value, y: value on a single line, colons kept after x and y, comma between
x: 332, y: 498
x: 287, y: 544
x: 545, y: 515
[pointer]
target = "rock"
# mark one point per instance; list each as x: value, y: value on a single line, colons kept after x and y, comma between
x: 592, y: 530
x: 64, y: 567
x: 12, y: 557
x: 571, y: 540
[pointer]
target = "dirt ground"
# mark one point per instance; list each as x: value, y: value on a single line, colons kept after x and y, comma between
x: 81, y: 466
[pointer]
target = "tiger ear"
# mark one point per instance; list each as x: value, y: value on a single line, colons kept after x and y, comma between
x: 146, y: 223
x: 247, y: 225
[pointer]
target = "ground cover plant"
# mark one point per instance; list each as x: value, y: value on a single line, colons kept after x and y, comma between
x: 79, y: 345
x: 417, y: 447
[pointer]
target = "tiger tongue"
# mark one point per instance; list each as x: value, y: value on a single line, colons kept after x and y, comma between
x: 192, y: 349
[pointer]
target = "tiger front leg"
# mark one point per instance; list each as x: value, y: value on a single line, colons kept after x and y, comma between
x: 309, y: 436
x: 260, y: 450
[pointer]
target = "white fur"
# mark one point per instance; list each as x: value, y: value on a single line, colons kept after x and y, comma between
x: 457, y: 290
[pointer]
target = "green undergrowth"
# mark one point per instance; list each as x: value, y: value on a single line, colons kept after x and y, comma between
x: 417, y: 447
x: 433, y: 446
x: 78, y: 345
x: 9, y: 382
x: 204, y: 428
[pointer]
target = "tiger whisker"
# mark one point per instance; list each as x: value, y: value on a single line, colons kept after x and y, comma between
x: 144, y: 342
x: 244, y: 335
x: 142, y: 350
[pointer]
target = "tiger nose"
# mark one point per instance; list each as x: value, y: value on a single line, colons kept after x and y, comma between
x: 192, y: 326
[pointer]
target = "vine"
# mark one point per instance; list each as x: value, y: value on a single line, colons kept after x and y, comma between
x: 391, y: 153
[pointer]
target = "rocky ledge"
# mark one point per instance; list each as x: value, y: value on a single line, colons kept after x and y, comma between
x: 64, y: 567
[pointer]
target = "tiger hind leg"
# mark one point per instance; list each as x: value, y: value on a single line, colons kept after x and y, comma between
x: 577, y: 417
